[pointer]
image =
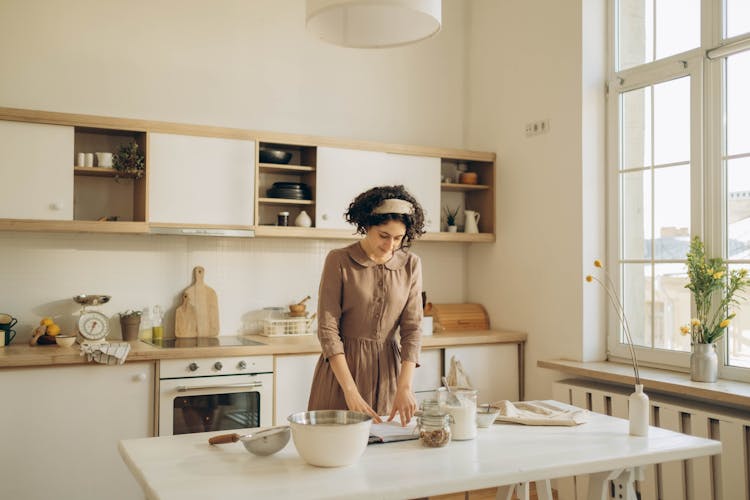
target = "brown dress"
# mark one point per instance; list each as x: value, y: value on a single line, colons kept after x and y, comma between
x: 361, y: 306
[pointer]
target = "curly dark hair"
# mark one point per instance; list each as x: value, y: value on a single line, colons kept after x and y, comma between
x: 360, y: 212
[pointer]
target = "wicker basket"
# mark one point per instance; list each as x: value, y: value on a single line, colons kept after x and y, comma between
x: 287, y: 326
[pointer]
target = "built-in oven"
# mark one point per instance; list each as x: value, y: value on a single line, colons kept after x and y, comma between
x: 215, y: 394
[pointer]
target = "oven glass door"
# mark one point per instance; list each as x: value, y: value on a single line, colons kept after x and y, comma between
x: 212, y: 404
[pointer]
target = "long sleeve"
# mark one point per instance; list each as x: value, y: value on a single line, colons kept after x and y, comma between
x: 411, y: 317
x: 329, y: 307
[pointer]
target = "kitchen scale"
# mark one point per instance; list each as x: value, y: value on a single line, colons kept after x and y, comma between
x: 93, y: 325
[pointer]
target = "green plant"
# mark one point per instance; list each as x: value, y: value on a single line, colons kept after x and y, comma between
x: 714, y: 291
x: 450, y: 216
x: 129, y: 160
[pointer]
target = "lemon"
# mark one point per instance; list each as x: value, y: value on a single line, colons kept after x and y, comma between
x: 46, y: 322
x: 53, y: 330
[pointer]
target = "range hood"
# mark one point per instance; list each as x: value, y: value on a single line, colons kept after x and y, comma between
x: 203, y: 231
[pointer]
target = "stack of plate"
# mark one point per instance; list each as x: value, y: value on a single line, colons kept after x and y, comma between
x: 290, y: 191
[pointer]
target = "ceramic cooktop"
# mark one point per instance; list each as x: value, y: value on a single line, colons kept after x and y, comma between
x: 220, y: 341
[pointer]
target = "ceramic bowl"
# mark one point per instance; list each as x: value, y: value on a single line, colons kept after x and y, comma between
x: 274, y: 156
x: 65, y: 340
x: 486, y: 415
x: 330, y: 438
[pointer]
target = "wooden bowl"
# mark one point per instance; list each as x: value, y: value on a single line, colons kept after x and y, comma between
x: 468, y: 178
x: 297, y: 309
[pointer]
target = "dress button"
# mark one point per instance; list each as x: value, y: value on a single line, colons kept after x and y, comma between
x: 380, y: 283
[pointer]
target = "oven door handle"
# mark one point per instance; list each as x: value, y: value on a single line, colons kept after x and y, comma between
x: 251, y: 385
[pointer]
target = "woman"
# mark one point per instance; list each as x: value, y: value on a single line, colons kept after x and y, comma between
x: 369, y: 291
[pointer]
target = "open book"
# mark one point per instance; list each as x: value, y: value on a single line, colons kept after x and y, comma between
x: 388, y: 432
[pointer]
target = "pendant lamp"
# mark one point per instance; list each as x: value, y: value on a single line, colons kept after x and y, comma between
x: 373, y: 23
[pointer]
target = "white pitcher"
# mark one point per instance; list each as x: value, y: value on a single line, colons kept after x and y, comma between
x: 472, y: 219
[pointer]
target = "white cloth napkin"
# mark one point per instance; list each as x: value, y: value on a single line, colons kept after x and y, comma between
x: 538, y: 413
x: 106, y: 353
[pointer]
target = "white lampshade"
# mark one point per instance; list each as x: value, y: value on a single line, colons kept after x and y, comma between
x: 373, y: 23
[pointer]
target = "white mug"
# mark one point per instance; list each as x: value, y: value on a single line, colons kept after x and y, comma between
x: 88, y: 160
x: 104, y: 159
x: 80, y: 160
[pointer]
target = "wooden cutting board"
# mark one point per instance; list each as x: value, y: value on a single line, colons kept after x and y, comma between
x: 456, y: 317
x: 200, y: 306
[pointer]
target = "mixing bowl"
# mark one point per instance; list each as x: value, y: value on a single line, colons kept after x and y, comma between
x: 486, y: 415
x: 330, y: 438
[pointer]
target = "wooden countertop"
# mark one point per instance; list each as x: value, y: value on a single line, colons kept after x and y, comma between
x: 24, y: 355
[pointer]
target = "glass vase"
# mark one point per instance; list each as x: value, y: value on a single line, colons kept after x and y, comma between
x: 704, y: 363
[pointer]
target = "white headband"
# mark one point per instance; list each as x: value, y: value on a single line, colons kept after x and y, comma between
x: 394, y: 206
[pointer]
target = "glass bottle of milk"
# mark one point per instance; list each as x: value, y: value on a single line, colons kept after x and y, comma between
x: 464, y: 411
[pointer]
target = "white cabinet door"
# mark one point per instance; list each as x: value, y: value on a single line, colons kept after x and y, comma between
x: 427, y: 376
x: 36, y: 171
x: 342, y: 174
x: 492, y: 370
x: 60, y: 427
x: 201, y: 180
x: 294, y: 376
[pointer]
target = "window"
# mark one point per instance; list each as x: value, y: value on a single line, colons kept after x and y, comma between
x: 678, y: 166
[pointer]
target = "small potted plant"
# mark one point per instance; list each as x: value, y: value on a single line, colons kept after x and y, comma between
x: 128, y: 161
x: 130, y: 322
x: 450, y: 219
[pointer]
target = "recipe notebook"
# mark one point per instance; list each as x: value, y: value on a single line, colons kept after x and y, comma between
x: 388, y: 432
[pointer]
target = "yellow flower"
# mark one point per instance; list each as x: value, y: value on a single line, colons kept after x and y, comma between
x: 695, y: 322
x: 718, y: 274
x: 725, y: 323
x: 684, y: 329
x: 589, y: 278
x: 597, y: 263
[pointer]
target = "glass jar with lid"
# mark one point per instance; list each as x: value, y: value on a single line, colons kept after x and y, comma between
x: 434, y: 425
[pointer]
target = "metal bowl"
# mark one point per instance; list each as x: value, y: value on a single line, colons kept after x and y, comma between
x: 262, y: 443
x: 274, y: 156
x: 330, y: 438
x: 91, y: 300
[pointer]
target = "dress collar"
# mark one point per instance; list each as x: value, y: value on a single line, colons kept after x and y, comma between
x: 358, y: 255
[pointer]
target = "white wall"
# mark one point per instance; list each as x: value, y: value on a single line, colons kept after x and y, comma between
x: 526, y: 60
x: 235, y: 63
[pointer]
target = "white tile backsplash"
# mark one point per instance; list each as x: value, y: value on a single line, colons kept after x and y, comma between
x: 40, y: 273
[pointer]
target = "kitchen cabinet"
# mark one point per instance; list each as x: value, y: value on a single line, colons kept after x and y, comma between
x: 492, y: 370
x: 61, y: 426
x: 343, y: 173
x: 300, y: 169
x: 35, y: 170
x: 201, y: 181
x: 294, y: 374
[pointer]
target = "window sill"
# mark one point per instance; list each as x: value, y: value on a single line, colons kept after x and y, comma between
x: 723, y: 392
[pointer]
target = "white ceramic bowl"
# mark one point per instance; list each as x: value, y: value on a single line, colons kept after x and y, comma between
x: 486, y: 415
x: 65, y: 340
x: 330, y: 438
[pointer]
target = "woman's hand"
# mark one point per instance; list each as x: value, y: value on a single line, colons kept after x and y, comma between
x: 405, y: 404
x: 355, y: 402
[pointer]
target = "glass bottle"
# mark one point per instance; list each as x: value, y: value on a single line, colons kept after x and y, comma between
x: 464, y: 411
x: 434, y: 425
x: 157, y: 328
x: 145, y: 332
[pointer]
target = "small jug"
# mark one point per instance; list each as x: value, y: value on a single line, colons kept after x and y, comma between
x: 472, y: 219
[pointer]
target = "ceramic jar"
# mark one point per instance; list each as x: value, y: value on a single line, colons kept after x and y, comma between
x: 303, y: 220
x: 704, y: 363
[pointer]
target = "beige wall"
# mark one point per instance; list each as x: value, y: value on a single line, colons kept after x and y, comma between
x: 494, y: 67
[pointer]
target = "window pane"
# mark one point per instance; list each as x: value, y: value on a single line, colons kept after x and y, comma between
x: 671, y: 212
x: 672, y: 121
x: 636, y: 29
x: 654, y: 29
x: 738, y: 335
x: 738, y: 208
x: 636, y: 128
x: 671, y: 307
x: 637, y: 302
x: 738, y: 17
x: 738, y: 103
x: 678, y: 26
x: 636, y: 214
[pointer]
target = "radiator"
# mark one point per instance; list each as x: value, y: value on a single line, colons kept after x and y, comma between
x: 721, y: 477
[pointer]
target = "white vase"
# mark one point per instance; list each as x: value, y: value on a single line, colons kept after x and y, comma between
x: 704, y: 363
x: 303, y: 220
x: 638, y: 410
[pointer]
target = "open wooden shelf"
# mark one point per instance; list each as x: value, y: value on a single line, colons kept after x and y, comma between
x: 284, y: 201
x: 449, y: 186
x: 275, y: 168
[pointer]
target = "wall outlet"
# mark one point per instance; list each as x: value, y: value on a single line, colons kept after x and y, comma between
x: 537, y: 127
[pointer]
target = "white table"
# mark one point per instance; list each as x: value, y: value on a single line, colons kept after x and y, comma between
x: 187, y: 467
